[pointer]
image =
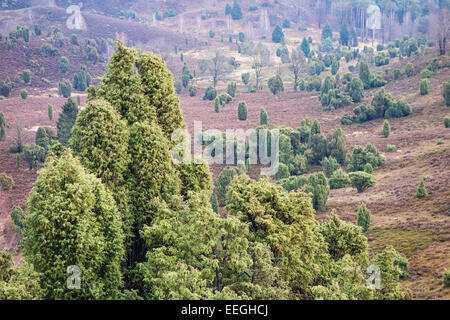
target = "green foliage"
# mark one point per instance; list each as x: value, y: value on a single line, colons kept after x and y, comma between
x: 363, y: 217
x: 391, y: 147
x: 402, y: 262
x: 421, y: 190
x: 263, y: 117
x: 18, y: 219
x: 423, y: 87
x: 386, y: 129
x: 50, y: 111
x: 26, y: 75
x: 305, y: 47
x: 390, y: 274
x: 37, y: 29
x: 24, y: 94
x: 447, y: 122
x: 286, y: 23
x: 245, y: 78
x: 329, y: 166
x: 66, y: 121
x: 355, y: 89
x: 6, y: 87
x: 68, y: 203
x: 382, y: 59
x: 210, y: 93
x: 224, y: 99
x: 45, y: 137
x: 236, y: 11
x: 275, y: 84
x: 446, y: 278
x: 361, y: 180
x: 277, y: 34
x: 397, y: 74
x: 64, y: 65
x: 6, y: 182
x: 81, y: 80
x: 32, y: 155
x: 217, y: 105
x: 334, y: 67
x: 299, y: 165
x: 336, y: 145
x: 49, y: 50
x: 368, y: 168
x: 369, y: 79
x: 339, y: 179
x: 65, y: 88
x: 446, y: 93
x: 344, y: 36
x: 21, y: 283
x: 361, y: 156
x: 242, y: 111
x: 327, y: 32
x: 222, y: 182
x: 193, y: 91
x: 282, y: 172
x: 318, y: 186
x: 409, y: 69
x: 326, y: 45
x: 2, y: 127
x: 231, y: 89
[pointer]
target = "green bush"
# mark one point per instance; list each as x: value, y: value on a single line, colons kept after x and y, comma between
x: 26, y: 75
x: 50, y: 112
x: 275, y: 84
x: 426, y: 73
x: 282, y: 172
x: 223, y: 180
x: 6, y: 87
x: 225, y: 98
x: 402, y: 262
x: 446, y: 93
x: 217, y: 105
x: 192, y: 91
x: 231, y: 89
x: 82, y: 80
x: 277, y: 34
x: 65, y: 88
x: 386, y: 129
x: 424, y: 87
x: 409, y: 69
x: 339, y: 179
x: 361, y: 180
x: 391, y: 147
x: 24, y: 94
x: 382, y: 59
x: 361, y: 156
x: 397, y: 74
x: 446, y: 278
x: 263, y: 117
x: 242, y: 111
x: 64, y: 65
x: 363, y: 217
x: 421, y: 190
x: 210, y: 94
x: 236, y: 11
x: 329, y: 166
x: 6, y: 182
x: 49, y: 50
x: 447, y: 122
x: 32, y: 155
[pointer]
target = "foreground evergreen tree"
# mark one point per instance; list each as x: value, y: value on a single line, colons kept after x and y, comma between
x: 72, y: 220
x: 361, y: 180
x: 363, y: 217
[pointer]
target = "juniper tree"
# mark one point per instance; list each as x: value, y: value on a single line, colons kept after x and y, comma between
x: 424, y: 87
x: 66, y: 121
x: 386, y: 129
x: 339, y: 179
x: 72, y: 220
x: 446, y: 93
x: 2, y: 126
x: 363, y: 217
x: 421, y: 190
x: 263, y: 117
x: 217, y: 105
x: 50, y: 111
x: 361, y: 180
x: 242, y: 111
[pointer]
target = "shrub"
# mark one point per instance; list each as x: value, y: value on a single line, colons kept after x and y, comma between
x: 368, y: 168
x: 245, y: 78
x: 447, y: 122
x: 24, y: 94
x: 329, y: 165
x: 299, y: 165
x: 426, y: 73
x: 223, y: 180
x: 391, y: 147
x: 446, y: 278
x: 361, y: 180
x: 6, y: 182
x: 402, y: 262
x: 192, y: 91
x: 361, y: 156
x: 50, y: 112
x: 263, y: 117
x: 339, y: 179
x: 424, y: 87
x: 446, y: 93
x: 421, y: 190
x: 26, y: 75
x: 210, y: 93
x: 386, y: 129
x: 33, y: 155
x: 231, y: 89
x: 44, y: 137
x: 74, y: 40
x: 286, y: 23
x: 276, y: 84
x: 241, y: 37
x: 65, y: 88
x: 409, y: 69
x: 382, y: 59
x: 18, y: 219
x: 242, y: 111
x: 217, y: 105
x: 49, y: 50
x: 225, y: 98
x: 318, y: 186
x: 37, y: 29
x: 6, y: 87
x: 64, y: 65
x: 277, y: 34
x: 282, y: 172
x: 82, y: 80
x: 363, y: 217
x: 236, y: 11
x: 397, y: 74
